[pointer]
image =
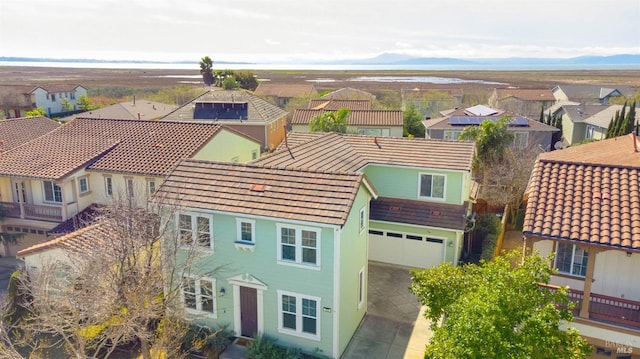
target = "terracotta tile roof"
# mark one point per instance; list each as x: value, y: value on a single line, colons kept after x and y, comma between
x: 82, y: 219
x: 17, y: 131
x: 78, y: 241
x: 588, y: 193
x: 333, y: 105
x: 348, y: 93
x: 55, y: 88
x: 129, y: 146
x: 312, y: 196
x: 526, y: 94
x: 356, y: 118
x: 148, y: 110
x: 259, y: 111
x: 350, y: 153
x: 284, y: 90
x: 432, y: 214
x: 296, y: 138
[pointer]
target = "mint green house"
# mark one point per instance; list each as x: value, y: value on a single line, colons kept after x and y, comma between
x: 424, y: 186
x: 291, y: 244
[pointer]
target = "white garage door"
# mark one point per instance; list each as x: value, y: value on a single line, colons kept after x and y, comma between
x: 405, y: 249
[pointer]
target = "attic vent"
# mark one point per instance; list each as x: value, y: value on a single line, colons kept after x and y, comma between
x: 394, y: 208
x: 258, y: 187
x: 436, y: 213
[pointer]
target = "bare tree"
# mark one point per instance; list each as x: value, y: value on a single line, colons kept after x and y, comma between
x: 118, y: 284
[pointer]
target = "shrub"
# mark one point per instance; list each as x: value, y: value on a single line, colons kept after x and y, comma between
x: 210, y: 341
x: 264, y: 347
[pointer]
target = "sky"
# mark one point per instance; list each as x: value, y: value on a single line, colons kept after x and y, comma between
x: 290, y: 30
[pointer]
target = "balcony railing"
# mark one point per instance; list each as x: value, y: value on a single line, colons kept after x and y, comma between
x: 32, y: 211
x: 606, y: 308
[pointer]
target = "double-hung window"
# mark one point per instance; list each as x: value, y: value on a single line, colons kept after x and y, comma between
x: 571, y: 259
x: 151, y: 187
x: 520, y: 139
x: 246, y: 230
x: 298, y: 315
x: 195, y: 230
x: 83, y: 184
x: 363, y: 218
x: 298, y: 245
x: 108, y: 186
x: 432, y: 186
x: 198, y: 295
x: 52, y: 192
x: 451, y: 135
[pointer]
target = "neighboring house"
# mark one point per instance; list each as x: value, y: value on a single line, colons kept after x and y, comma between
x: 348, y: 93
x: 293, y: 245
x: 583, y: 204
x: 365, y: 122
x: 51, y: 97
x: 581, y: 122
x: 239, y: 110
x: 333, y: 105
x: 526, y: 132
x: 590, y: 94
x: 430, y: 101
x: 134, y: 110
x: 424, y: 188
x: 17, y: 131
x: 15, y: 101
x: 282, y: 93
x: 523, y: 102
x: 48, y: 180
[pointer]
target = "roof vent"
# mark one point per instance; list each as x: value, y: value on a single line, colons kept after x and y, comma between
x: 394, y: 208
x: 159, y: 145
x: 436, y: 213
x: 258, y: 188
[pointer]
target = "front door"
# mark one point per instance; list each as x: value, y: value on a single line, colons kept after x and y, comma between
x: 248, y: 311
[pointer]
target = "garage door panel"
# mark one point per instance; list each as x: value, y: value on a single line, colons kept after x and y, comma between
x: 405, y: 249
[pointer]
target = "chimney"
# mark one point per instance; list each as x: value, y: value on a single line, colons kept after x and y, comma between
x: 138, y: 115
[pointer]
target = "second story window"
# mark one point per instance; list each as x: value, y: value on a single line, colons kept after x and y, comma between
x: 298, y: 245
x: 108, y: 186
x: 83, y: 184
x: 571, y: 259
x: 151, y: 187
x: 195, y: 230
x: 52, y: 192
x: 245, y: 230
x: 432, y: 186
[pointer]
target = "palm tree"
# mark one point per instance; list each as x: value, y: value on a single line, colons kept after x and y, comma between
x: 206, y: 69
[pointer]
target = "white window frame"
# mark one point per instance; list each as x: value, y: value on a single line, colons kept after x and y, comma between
x: 517, y: 143
x: 451, y: 135
x: 84, y: 179
x: 199, y: 296
x: 362, y: 219
x: 151, y: 187
x: 298, y: 246
x: 444, y: 186
x: 108, y: 186
x: 52, y: 186
x: 240, y: 243
x: 130, y: 187
x: 299, y: 315
x: 195, y: 231
x: 362, y: 284
x: 589, y: 131
x: 573, y: 263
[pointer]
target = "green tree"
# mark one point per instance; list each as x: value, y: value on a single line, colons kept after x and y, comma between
x: 491, y: 137
x: 331, y: 121
x: 85, y: 104
x: 230, y: 83
x: 246, y: 79
x: 413, y: 122
x: 220, y: 75
x: 36, y: 112
x: 66, y: 105
x: 206, y: 70
x: 498, y: 309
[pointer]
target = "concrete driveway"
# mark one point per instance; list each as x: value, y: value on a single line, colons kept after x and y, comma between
x: 394, y: 326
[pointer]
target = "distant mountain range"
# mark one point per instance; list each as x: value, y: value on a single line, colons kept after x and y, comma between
x: 396, y: 60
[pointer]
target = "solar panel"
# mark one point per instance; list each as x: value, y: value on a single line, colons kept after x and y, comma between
x: 519, y: 121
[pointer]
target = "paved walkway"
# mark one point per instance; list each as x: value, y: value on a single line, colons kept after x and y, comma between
x: 395, y: 326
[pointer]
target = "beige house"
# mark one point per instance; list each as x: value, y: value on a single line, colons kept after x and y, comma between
x: 240, y: 110
x: 522, y: 102
x: 583, y: 204
x: 52, y: 178
x: 282, y: 93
